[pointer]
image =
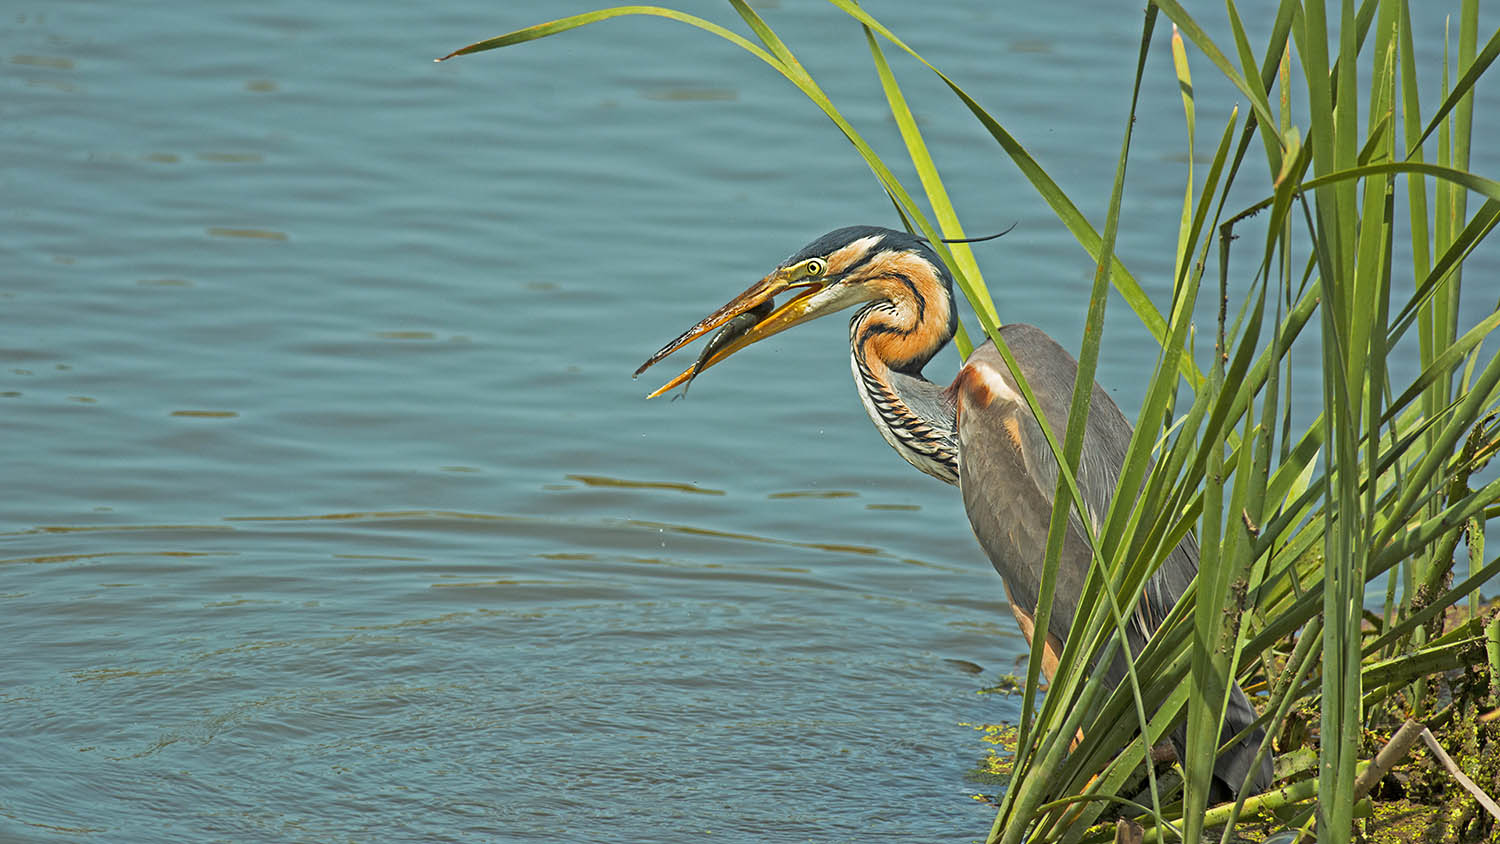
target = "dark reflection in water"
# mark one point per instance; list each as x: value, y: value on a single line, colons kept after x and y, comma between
x: 332, y: 510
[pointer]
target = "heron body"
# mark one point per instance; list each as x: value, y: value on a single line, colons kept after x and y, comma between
x: 977, y: 432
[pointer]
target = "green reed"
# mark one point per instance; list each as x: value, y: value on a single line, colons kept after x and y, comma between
x: 1293, y: 525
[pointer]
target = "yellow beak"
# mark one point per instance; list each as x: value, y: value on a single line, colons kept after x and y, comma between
x: 798, y: 309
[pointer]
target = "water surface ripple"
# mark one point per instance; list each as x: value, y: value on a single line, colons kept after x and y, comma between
x: 333, y: 512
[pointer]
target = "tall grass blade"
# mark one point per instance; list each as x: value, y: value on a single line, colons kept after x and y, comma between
x: 1295, y: 521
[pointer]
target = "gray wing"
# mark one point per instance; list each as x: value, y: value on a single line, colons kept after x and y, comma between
x: 1007, y: 475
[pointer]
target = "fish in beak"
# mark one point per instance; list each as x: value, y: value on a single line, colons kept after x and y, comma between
x: 750, y: 317
x: 728, y: 333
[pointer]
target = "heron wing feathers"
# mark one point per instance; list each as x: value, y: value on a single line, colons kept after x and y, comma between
x: 1008, y: 477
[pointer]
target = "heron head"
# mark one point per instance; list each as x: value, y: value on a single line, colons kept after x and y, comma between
x: 843, y: 268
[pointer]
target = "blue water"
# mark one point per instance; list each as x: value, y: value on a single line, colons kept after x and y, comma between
x: 333, y: 512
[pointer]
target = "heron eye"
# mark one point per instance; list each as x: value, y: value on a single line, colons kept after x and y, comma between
x: 814, y: 267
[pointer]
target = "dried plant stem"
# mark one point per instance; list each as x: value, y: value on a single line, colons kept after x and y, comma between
x: 1452, y: 767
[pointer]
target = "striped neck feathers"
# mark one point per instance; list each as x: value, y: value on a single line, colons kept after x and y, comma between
x: 910, y: 320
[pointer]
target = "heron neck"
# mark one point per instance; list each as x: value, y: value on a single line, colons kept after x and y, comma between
x: 912, y: 413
